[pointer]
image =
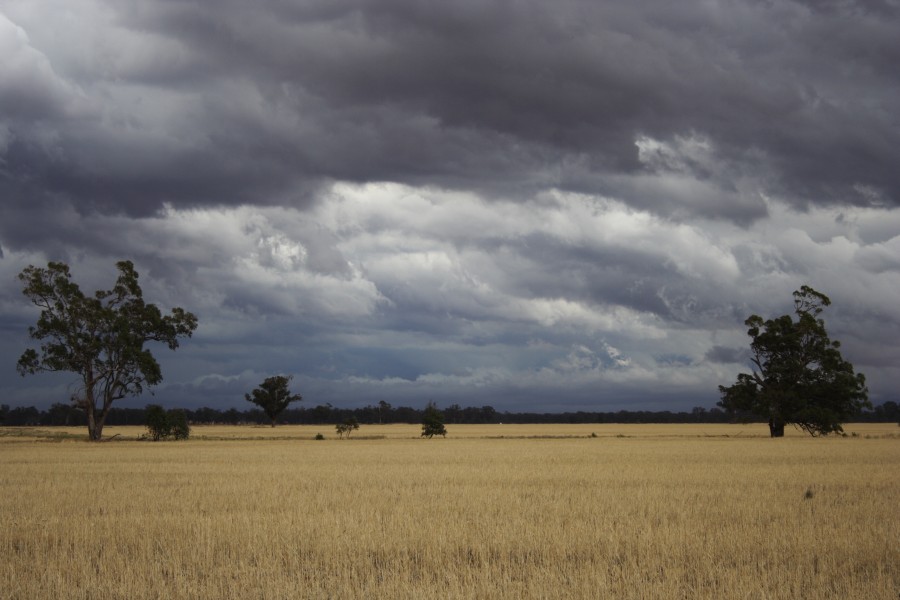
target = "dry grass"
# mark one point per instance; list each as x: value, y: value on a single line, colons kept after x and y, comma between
x: 544, y: 512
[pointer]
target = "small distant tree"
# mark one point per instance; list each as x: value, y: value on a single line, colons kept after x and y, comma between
x: 799, y: 375
x: 273, y: 396
x: 162, y: 424
x: 347, y: 427
x: 384, y: 410
x: 433, y: 422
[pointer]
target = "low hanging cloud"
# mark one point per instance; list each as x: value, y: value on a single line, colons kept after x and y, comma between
x: 390, y: 291
x: 519, y: 204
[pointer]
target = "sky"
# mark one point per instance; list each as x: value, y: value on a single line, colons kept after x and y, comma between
x: 537, y: 206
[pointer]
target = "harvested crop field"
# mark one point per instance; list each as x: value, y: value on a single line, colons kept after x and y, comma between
x: 492, y: 511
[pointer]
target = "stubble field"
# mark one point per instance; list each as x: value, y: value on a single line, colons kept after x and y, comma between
x: 501, y: 511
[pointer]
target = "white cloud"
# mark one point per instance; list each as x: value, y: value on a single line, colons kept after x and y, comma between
x: 420, y: 292
x: 29, y: 86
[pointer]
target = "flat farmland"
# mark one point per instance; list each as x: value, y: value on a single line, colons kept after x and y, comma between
x: 492, y: 511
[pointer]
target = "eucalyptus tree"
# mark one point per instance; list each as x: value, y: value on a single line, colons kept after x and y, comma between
x: 102, y: 338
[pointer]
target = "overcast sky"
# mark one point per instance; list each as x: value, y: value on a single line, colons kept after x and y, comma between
x: 541, y: 206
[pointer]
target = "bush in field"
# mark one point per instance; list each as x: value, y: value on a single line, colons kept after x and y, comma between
x: 157, y: 422
x: 347, y: 427
x: 162, y: 424
x: 178, y: 424
x: 433, y: 422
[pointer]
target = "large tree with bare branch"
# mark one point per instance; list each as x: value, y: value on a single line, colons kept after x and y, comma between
x: 102, y: 337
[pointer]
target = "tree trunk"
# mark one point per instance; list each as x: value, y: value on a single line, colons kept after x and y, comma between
x: 95, y: 427
x: 776, y: 427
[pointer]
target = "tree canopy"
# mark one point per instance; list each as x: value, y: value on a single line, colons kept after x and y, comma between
x: 433, y: 422
x: 799, y: 376
x: 348, y: 426
x: 273, y: 396
x: 165, y: 424
x: 101, y: 337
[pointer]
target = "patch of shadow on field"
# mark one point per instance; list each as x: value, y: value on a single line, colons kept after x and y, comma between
x: 538, y: 437
x: 33, y: 434
x: 278, y: 438
x: 660, y: 436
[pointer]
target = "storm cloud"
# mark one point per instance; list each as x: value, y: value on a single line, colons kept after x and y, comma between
x: 529, y: 205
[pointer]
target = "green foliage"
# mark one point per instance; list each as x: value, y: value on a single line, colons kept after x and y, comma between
x: 157, y: 422
x: 347, y: 427
x: 273, y: 396
x: 319, y: 436
x: 99, y: 337
x: 178, y: 424
x: 162, y: 424
x: 433, y: 422
x: 384, y: 409
x: 800, y: 377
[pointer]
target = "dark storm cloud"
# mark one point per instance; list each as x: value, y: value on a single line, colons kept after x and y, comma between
x: 810, y: 91
x: 513, y: 202
x: 261, y: 104
x: 725, y: 355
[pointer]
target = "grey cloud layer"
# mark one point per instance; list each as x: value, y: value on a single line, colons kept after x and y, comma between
x: 551, y: 205
x: 172, y: 101
x: 568, y: 302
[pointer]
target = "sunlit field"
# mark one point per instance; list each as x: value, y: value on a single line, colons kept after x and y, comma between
x: 491, y: 511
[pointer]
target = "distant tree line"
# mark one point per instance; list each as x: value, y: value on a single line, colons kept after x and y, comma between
x: 67, y: 414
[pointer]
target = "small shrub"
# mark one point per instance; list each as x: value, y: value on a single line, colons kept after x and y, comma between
x: 433, y: 422
x: 319, y: 436
x: 346, y: 427
x: 178, y: 424
x: 157, y: 422
x: 162, y: 424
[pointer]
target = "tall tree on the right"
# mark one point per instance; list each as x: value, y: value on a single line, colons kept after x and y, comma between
x: 799, y: 376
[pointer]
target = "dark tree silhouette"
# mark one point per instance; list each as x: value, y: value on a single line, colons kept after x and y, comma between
x: 384, y: 409
x: 273, y: 396
x: 348, y: 426
x: 99, y: 337
x: 162, y: 424
x: 433, y: 422
x: 799, y: 376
